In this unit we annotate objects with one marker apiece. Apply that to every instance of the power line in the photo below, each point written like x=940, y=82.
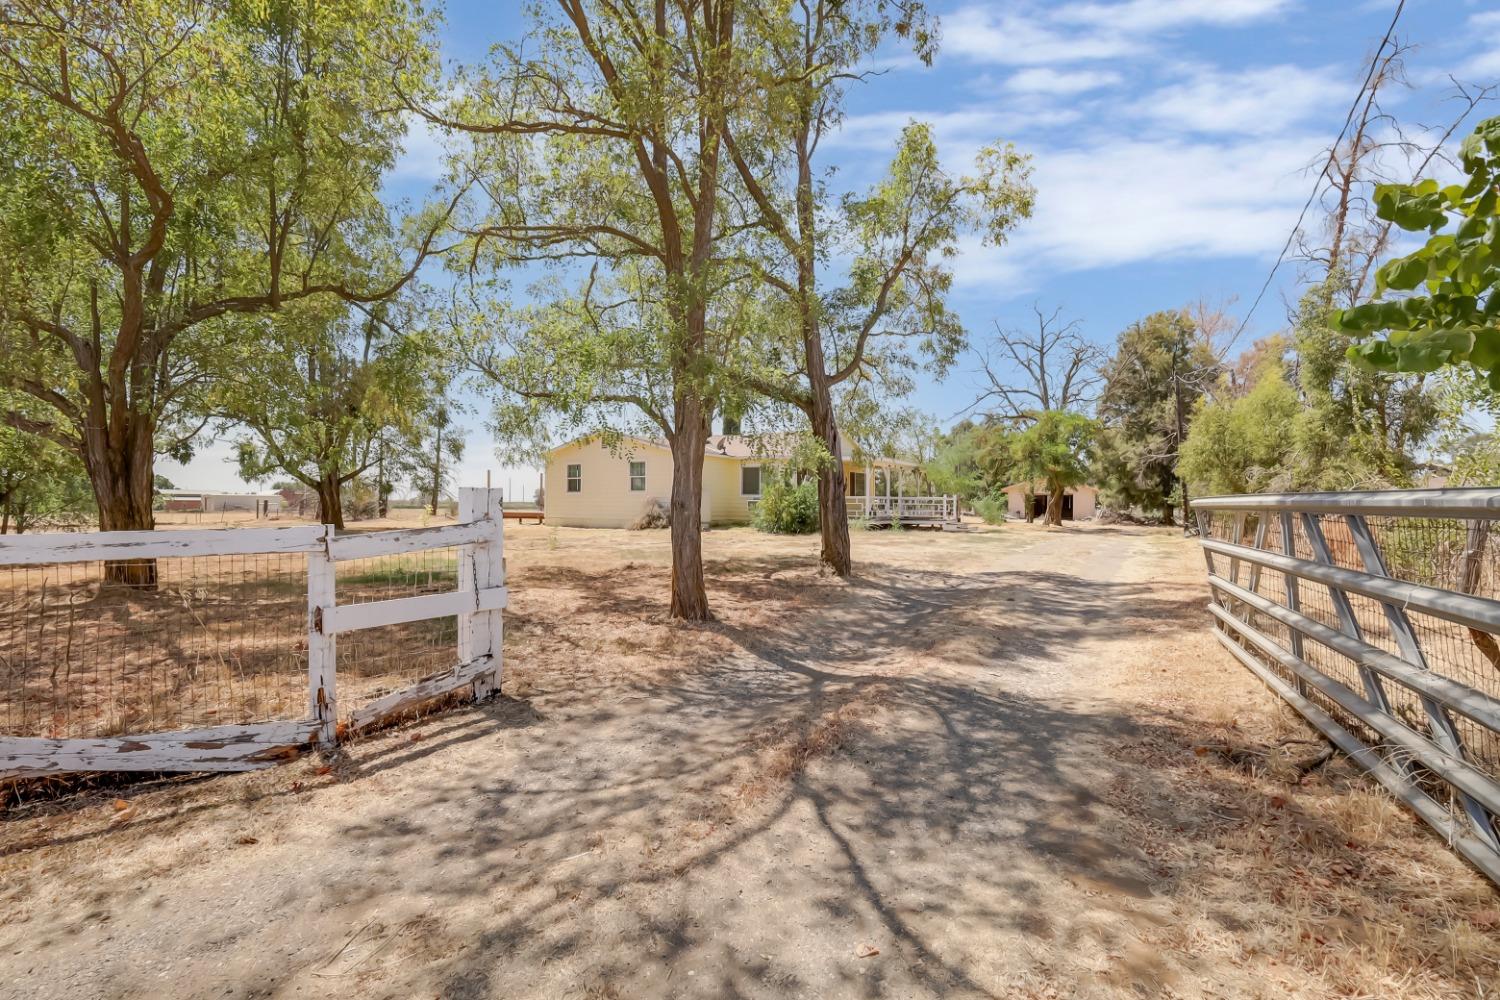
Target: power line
x=1318, y=184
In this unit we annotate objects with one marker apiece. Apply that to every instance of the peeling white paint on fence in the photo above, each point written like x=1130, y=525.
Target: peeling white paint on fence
x=478, y=603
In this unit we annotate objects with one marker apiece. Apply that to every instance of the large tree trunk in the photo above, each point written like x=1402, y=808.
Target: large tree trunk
x=689, y=596
x=121, y=473
x=1054, y=504
x=1030, y=499
x=833, y=519
x=330, y=502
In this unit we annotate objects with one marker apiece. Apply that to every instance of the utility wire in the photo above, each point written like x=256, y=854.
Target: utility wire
x=1318, y=184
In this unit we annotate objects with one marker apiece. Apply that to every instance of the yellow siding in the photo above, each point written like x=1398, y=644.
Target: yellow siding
x=721, y=488
x=606, y=500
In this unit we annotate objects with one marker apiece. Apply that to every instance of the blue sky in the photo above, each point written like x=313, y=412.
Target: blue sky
x=1172, y=140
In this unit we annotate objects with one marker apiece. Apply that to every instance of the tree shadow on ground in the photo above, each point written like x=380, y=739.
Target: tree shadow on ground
x=896, y=764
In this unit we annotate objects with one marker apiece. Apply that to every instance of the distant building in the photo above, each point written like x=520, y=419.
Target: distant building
x=590, y=485
x=263, y=504
x=182, y=501
x=212, y=502
x=1078, y=502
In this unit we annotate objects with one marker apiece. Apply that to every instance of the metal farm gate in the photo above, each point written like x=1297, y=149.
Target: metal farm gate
x=1375, y=615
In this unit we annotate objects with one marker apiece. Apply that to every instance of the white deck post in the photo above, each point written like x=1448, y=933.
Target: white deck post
x=322, y=646
x=480, y=567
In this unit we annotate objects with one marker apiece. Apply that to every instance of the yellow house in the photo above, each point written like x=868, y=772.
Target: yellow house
x=588, y=484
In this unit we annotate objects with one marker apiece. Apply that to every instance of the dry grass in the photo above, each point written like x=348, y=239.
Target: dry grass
x=1295, y=877
x=1337, y=889
x=783, y=750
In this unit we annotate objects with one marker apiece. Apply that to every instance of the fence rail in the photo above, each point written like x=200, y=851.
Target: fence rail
x=232, y=631
x=1374, y=614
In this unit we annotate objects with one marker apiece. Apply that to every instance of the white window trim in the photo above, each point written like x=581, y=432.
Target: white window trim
x=760, y=479
x=568, y=480
x=631, y=477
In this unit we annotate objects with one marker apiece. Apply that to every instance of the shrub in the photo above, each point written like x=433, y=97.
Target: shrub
x=991, y=508
x=654, y=515
x=787, y=509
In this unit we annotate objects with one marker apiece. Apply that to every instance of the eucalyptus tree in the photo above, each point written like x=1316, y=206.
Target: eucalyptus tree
x=601, y=140
x=439, y=447
x=349, y=383
x=890, y=311
x=1161, y=367
x=165, y=166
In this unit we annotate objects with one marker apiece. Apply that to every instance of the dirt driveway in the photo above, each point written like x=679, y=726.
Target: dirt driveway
x=970, y=772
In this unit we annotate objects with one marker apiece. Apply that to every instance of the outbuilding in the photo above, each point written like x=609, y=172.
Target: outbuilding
x=1078, y=502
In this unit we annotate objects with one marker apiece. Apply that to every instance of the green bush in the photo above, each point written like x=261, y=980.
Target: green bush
x=991, y=508
x=787, y=509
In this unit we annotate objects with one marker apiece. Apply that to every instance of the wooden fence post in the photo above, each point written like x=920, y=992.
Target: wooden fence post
x=481, y=566
x=322, y=646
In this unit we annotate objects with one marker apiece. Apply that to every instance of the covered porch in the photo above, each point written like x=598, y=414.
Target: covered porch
x=889, y=491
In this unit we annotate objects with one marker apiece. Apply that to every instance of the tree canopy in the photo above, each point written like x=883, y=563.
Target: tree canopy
x=169, y=166
x=1451, y=315
x=1057, y=448
x=1151, y=383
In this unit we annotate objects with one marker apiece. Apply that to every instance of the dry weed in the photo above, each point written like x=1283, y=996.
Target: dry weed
x=782, y=752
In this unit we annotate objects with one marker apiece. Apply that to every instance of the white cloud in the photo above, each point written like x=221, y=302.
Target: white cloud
x=1131, y=200
x=959, y=133
x=988, y=36
x=1484, y=27
x=1043, y=35
x=1160, y=15
x=422, y=155
x=1062, y=83
x=1259, y=101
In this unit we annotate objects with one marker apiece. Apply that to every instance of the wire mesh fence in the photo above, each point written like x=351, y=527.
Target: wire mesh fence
x=219, y=640
x=228, y=649
x=1313, y=590
x=377, y=661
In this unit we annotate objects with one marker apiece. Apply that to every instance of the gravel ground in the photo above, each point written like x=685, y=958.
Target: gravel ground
x=968, y=772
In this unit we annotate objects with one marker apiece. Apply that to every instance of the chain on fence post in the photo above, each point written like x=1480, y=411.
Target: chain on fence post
x=322, y=647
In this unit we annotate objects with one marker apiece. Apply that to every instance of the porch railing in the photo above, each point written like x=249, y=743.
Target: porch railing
x=1375, y=615
x=908, y=509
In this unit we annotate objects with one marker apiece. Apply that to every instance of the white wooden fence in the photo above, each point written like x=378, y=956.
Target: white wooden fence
x=477, y=602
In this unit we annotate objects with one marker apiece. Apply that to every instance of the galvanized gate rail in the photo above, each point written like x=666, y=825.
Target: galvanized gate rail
x=1374, y=615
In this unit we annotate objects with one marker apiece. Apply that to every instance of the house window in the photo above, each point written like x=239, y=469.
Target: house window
x=575, y=479
x=637, y=477
x=750, y=480
x=856, y=484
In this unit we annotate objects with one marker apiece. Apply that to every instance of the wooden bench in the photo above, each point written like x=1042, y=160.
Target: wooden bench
x=522, y=515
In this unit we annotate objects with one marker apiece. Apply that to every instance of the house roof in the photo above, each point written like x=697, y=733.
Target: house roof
x=743, y=447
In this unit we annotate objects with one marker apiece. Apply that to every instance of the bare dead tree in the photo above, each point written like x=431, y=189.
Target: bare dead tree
x=1050, y=368
x=1380, y=149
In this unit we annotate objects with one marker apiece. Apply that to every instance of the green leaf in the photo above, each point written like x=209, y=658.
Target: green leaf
x=1485, y=353
x=1403, y=275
